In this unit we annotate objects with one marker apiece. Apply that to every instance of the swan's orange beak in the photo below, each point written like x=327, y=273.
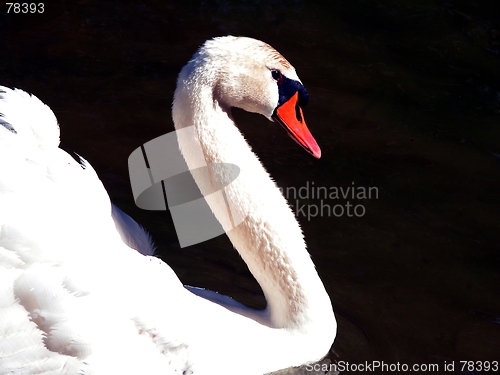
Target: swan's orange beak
x=289, y=115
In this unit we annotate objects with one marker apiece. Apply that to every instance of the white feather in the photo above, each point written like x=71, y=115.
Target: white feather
x=75, y=295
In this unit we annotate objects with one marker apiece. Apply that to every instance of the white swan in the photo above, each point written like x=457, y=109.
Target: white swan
x=76, y=299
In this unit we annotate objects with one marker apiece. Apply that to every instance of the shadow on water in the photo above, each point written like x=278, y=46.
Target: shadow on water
x=405, y=97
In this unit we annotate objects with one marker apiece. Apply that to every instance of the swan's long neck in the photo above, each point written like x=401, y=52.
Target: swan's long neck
x=269, y=238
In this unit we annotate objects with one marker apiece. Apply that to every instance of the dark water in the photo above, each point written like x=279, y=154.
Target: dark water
x=405, y=98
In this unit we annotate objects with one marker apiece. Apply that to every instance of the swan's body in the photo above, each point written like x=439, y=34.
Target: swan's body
x=65, y=269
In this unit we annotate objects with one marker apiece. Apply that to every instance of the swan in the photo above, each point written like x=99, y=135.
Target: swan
x=76, y=297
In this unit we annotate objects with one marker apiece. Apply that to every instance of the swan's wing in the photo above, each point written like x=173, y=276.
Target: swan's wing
x=131, y=233
x=73, y=297
x=28, y=134
x=22, y=347
x=217, y=298
x=25, y=116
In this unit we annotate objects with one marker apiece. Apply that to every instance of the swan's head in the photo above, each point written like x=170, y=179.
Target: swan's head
x=249, y=74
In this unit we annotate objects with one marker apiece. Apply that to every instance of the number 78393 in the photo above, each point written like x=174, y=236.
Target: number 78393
x=25, y=8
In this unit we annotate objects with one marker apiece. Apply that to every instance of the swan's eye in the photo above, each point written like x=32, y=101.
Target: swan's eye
x=276, y=74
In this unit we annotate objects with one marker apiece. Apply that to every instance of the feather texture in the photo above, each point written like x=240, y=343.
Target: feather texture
x=77, y=297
